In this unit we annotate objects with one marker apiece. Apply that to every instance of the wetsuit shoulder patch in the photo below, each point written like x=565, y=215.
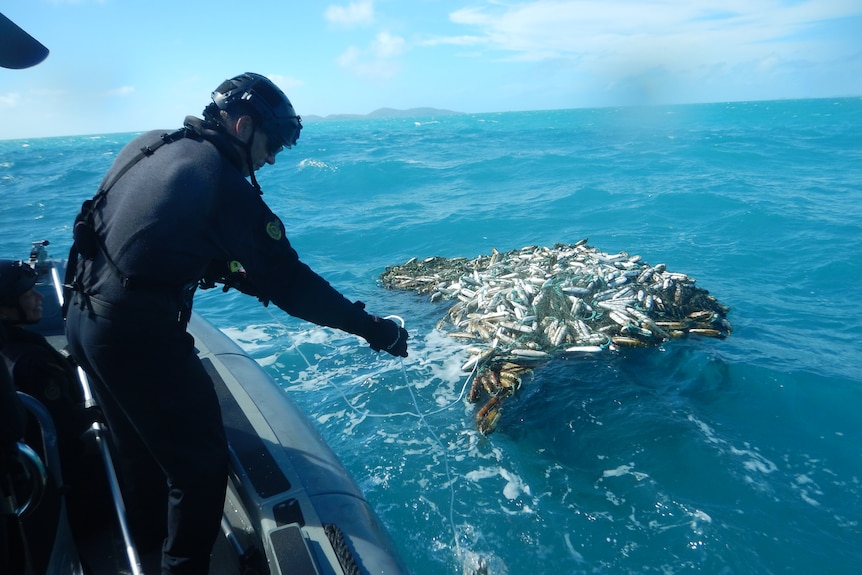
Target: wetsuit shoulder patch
x=275, y=229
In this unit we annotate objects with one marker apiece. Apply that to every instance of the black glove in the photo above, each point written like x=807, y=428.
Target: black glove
x=386, y=335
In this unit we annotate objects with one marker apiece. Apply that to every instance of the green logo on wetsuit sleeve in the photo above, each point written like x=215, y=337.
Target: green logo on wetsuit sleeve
x=275, y=229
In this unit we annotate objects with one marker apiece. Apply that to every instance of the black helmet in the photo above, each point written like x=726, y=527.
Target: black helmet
x=16, y=278
x=266, y=99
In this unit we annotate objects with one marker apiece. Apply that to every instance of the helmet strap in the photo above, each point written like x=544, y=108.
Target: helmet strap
x=251, y=163
x=216, y=120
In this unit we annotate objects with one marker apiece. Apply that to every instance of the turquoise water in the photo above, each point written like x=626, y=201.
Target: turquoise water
x=741, y=455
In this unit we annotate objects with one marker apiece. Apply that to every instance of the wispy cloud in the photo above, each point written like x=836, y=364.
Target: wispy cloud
x=454, y=41
x=650, y=30
x=378, y=61
x=385, y=45
x=10, y=100
x=286, y=83
x=121, y=92
x=350, y=16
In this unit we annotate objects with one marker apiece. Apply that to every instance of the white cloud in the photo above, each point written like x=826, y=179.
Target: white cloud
x=455, y=41
x=354, y=14
x=642, y=51
x=349, y=57
x=286, y=83
x=121, y=92
x=386, y=45
x=378, y=61
x=665, y=31
x=9, y=100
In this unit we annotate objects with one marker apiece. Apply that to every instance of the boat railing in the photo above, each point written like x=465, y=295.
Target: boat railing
x=35, y=479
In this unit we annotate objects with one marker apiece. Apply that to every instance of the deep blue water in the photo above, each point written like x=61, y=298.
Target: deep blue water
x=741, y=455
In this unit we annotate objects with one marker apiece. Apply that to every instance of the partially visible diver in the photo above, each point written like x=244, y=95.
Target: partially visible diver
x=36, y=368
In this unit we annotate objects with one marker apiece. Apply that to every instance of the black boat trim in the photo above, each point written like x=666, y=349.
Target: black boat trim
x=259, y=464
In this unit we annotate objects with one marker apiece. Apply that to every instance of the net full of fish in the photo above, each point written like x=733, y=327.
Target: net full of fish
x=524, y=307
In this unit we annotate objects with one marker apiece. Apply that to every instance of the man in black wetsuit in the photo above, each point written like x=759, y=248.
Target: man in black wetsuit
x=176, y=211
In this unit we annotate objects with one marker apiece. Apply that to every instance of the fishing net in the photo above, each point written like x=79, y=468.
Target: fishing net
x=523, y=307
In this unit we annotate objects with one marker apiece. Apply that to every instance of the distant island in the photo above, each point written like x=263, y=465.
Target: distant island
x=383, y=113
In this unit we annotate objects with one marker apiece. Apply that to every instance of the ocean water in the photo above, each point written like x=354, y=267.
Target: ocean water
x=741, y=455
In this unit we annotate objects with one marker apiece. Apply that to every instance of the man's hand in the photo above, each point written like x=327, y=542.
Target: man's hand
x=386, y=335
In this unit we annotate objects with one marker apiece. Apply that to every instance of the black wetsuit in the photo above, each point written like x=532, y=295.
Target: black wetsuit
x=44, y=373
x=174, y=215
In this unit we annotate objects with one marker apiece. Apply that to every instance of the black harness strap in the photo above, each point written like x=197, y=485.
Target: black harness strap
x=86, y=242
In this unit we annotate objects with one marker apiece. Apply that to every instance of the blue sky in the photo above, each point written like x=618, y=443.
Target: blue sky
x=130, y=65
